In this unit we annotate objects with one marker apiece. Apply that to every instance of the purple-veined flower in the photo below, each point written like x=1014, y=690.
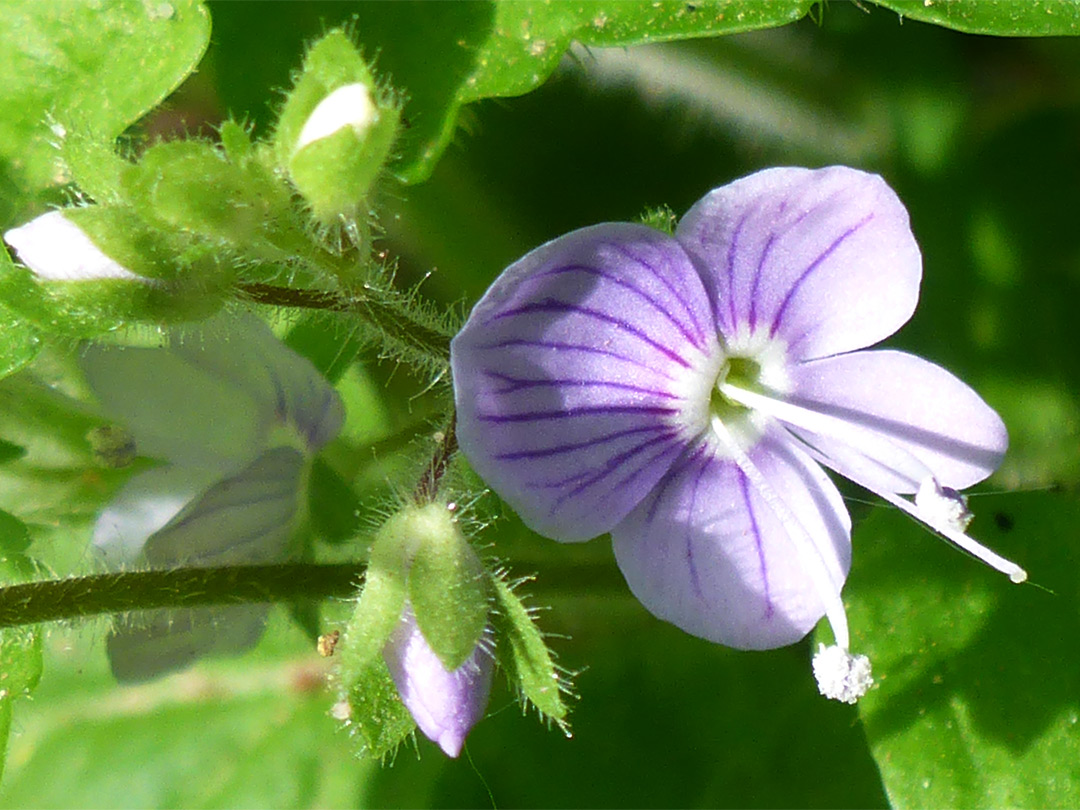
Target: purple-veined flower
x=236, y=415
x=445, y=704
x=683, y=392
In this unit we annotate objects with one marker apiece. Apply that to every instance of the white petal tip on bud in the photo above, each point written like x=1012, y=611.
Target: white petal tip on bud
x=943, y=505
x=1019, y=575
x=841, y=675
x=349, y=106
x=56, y=249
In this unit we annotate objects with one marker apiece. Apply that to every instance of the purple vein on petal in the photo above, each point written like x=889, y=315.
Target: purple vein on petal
x=744, y=486
x=571, y=347
x=811, y=268
x=695, y=340
x=764, y=257
x=614, y=464
x=592, y=410
x=678, y=296
x=551, y=305
x=559, y=449
x=689, y=526
x=733, y=250
x=515, y=384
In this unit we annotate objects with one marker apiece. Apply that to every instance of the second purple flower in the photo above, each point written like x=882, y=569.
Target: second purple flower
x=683, y=392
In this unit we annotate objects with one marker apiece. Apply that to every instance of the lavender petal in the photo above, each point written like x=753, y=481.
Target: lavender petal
x=581, y=375
x=918, y=407
x=823, y=260
x=707, y=553
x=445, y=705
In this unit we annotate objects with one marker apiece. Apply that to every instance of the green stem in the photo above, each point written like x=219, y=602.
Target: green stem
x=81, y=597
x=386, y=311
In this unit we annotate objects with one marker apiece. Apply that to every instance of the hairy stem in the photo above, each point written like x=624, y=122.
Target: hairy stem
x=388, y=312
x=81, y=597
x=428, y=485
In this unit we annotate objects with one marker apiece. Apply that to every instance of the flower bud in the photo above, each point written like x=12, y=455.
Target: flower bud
x=336, y=130
x=445, y=704
x=419, y=628
x=99, y=265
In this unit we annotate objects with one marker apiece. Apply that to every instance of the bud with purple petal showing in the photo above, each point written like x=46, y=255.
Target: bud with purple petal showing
x=336, y=129
x=416, y=649
x=683, y=393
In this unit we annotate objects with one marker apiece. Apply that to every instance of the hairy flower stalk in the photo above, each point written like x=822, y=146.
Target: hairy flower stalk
x=683, y=394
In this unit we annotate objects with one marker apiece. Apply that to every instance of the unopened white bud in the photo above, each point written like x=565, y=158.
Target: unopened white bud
x=841, y=675
x=349, y=106
x=56, y=249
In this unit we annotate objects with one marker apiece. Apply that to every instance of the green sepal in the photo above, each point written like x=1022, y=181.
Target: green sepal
x=524, y=655
x=376, y=714
x=447, y=584
x=190, y=186
x=236, y=141
x=335, y=173
x=20, y=342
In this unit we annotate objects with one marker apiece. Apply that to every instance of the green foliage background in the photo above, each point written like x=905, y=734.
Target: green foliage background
x=510, y=144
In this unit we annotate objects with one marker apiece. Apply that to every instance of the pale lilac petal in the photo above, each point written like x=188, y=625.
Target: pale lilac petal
x=823, y=260
x=248, y=518
x=213, y=396
x=144, y=505
x=240, y=350
x=174, y=411
x=582, y=374
x=153, y=643
x=918, y=408
x=445, y=705
x=706, y=553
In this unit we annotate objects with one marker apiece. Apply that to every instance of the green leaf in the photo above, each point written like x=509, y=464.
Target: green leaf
x=14, y=535
x=978, y=694
x=527, y=40
x=86, y=66
x=447, y=586
x=524, y=655
x=1005, y=18
x=482, y=49
x=332, y=504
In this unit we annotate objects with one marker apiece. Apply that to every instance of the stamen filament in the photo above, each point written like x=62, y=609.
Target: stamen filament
x=827, y=590
x=846, y=433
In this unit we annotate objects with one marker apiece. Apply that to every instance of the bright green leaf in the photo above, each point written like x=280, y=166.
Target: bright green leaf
x=89, y=67
x=20, y=647
x=524, y=655
x=978, y=694
x=1005, y=18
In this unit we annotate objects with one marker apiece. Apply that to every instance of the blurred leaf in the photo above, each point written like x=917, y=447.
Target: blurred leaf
x=10, y=451
x=1005, y=18
x=20, y=647
x=483, y=49
x=979, y=680
x=332, y=504
x=87, y=66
